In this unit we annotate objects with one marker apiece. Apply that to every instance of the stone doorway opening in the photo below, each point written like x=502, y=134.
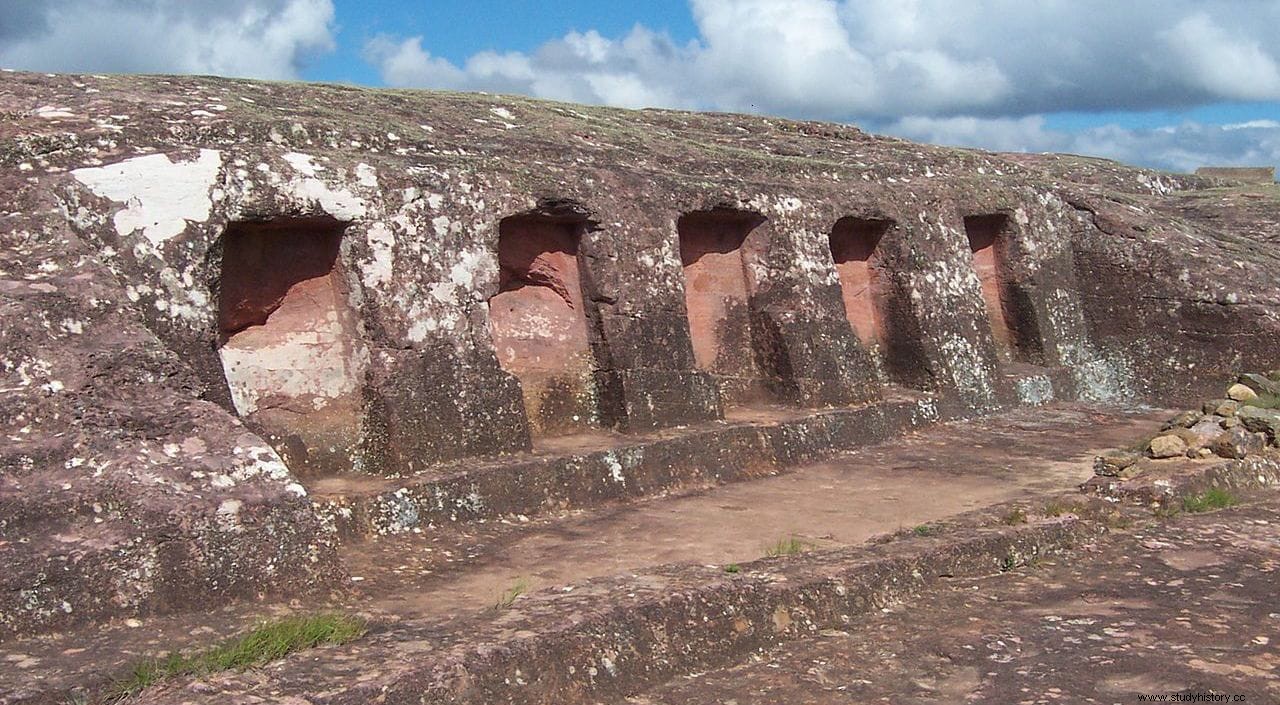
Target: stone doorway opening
x=854, y=249
x=539, y=321
x=718, y=292
x=988, y=241
x=288, y=341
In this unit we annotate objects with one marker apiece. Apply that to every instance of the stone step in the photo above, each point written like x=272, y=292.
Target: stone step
x=754, y=444
x=605, y=639
x=464, y=568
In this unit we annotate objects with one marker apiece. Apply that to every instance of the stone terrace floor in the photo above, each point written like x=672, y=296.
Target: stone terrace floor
x=932, y=474
x=1183, y=607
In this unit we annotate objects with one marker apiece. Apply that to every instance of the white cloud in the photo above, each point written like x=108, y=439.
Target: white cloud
x=978, y=73
x=1252, y=124
x=1181, y=147
x=581, y=67
x=408, y=64
x=1022, y=134
x=868, y=59
x=253, y=38
x=1230, y=65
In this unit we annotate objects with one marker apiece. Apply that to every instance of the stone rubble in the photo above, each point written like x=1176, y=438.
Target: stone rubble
x=1243, y=424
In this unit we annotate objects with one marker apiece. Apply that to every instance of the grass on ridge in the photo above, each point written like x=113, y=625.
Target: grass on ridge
x=787, y=547
x=1014, y=517
x=508, y=596
x=1059, y=507
x=1209, y=500
x=265, y=643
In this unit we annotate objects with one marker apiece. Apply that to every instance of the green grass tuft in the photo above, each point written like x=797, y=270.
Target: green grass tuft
x=508, y=597
x=1014, y=517
x=787, y=547
x=1208, y=501
x=733, y=568
x=1056, y=508
x=265, y=643
x=925, y=530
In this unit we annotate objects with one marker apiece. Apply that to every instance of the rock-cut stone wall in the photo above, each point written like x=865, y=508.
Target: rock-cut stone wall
x=215, y=292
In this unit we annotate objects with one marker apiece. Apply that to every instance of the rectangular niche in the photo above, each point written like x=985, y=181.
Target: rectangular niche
x=988, y=241
x=539, y=322
x=854, y=243
x=288, y=342
x=717, y=297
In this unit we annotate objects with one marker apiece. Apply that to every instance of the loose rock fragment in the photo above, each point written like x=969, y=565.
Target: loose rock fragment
x=1237, y=443
x=1239, y=392
x=1221, y=407
x=1261, y=421
x=1114, y=463
x=1260, y=385
x=1168, y=446
x=1186, y=419
x=1205, y=431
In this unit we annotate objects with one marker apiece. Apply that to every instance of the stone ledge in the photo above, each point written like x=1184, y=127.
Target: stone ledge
x=604, y=639
x=1166, y=483
x=534, y=485
x=609, y=638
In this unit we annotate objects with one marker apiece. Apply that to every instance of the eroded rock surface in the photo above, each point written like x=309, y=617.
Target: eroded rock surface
x=1177, y=610
x=214, y=292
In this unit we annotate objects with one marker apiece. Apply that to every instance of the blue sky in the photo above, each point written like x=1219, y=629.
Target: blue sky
x=456, y=29
x=1173, y=84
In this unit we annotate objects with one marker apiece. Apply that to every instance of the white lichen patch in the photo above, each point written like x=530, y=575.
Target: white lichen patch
x=471, y=265
x=259, y=462
x=228, y=515
x=377, y=271
x=615, y=469
x=51, y=112
x=302, y=163
x=337, y=199
x=1035, y=390
x=161, y=196
x=367, y=176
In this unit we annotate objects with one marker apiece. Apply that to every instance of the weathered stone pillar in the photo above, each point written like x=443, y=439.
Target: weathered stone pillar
x=646, y=373
x=1043, y=270
x=433, y=391
x=939, y=338
x=810, y=352
x=430, y=406
x=1039, y=298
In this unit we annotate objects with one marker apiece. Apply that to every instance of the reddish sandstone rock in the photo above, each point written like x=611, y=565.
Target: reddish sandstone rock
x=214, y=293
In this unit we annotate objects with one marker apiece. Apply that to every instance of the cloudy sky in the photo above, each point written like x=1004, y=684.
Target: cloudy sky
x=1174, y=84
